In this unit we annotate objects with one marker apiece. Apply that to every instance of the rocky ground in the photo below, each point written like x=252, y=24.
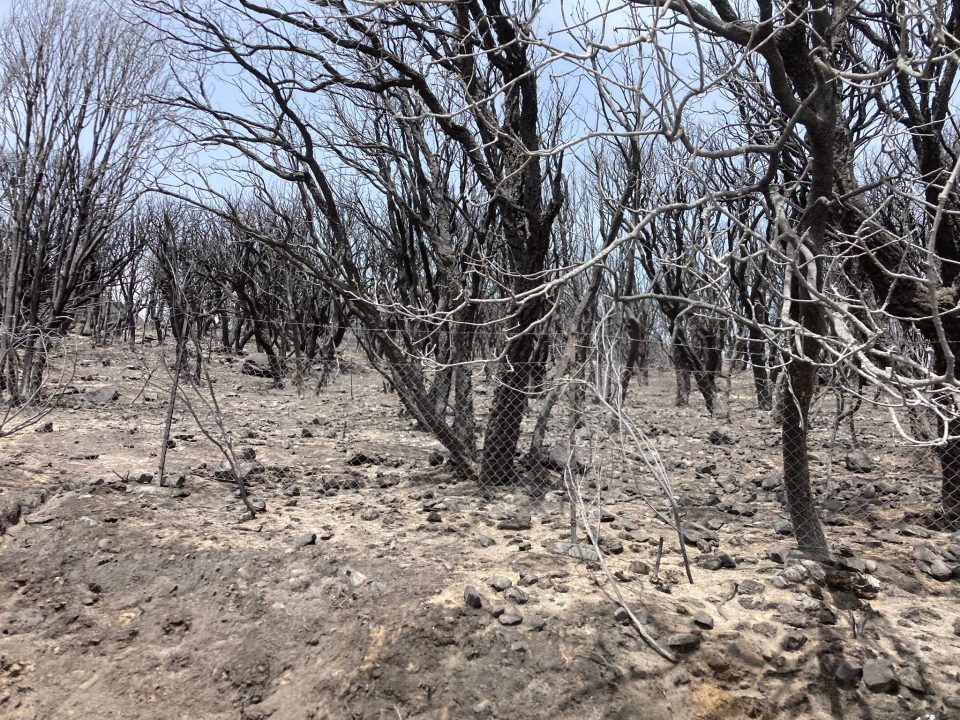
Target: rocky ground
x=372, y=585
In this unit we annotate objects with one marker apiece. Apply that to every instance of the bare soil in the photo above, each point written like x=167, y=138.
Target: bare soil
x=128, y=600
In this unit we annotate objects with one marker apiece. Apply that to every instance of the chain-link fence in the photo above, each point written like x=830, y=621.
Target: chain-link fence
x=593, y=436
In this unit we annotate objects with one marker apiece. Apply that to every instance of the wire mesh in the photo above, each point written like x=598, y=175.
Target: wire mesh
x=689, y=453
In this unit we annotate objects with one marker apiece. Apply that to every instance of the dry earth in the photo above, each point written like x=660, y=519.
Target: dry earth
x=127, y=600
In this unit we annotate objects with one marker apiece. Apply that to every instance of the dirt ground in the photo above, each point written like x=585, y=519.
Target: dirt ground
x=127, y=600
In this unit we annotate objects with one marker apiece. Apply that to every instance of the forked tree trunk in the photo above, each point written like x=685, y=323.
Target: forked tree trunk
x=506, y=413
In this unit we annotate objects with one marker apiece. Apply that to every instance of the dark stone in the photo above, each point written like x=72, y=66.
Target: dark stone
x=516, y=595
x=826, y=616
x=611, y=545
x=853, y=564
x=101, y=396
x=683, y=642
x=516, y=523
x=173, y=480
x=859, y=462
x=485, y=541
x=783, y=527
x=472, y=598
x=257, y=365
x=726, y=561
x=536, y=624
x=306, y=539
x=702, y=619
x=911, y=678
x=721, y=436
x=793, y=641
x=578, y=551
x=931, y=563
x=778, y=556
x=499, y=583
x=848, y=674
x=247, y=454
x=436, y=458
x=880, y=677
x=751, y=587
x=693, y=534
x=362, y=457
x=47, y=427
x=771, y=483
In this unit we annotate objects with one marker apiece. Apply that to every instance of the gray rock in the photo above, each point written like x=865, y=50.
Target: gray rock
x=721, y=436
x=683, y=642
x=641, y=568
x=859, y=462
x=702, y=619
x=611, y=545
x=101, y=396
x=794, y=573
x=536, y=624
x=931, y=563
x=47, y=427
x=258, y=504
x=247, y=454
x=848, y=674
x=693, y=533
x=778, y=556
x=485, y=541
x=880, y=677
x=257, y=365
x=472, y=598
x=956, y=627
x=436, y=458
x=306, y=539
x=173, y=480
x=365, y=457
x=793, y=641
x=370, y=514
x=499, y=583
x=510, y=619
x=516, y=595
x=771, y=483
x=354, y=577
x=434, y=517
x=726, y=561
x=516, y=523
x=578, y=551
x=911, y=678
x=751, y=587
x=783, y=527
